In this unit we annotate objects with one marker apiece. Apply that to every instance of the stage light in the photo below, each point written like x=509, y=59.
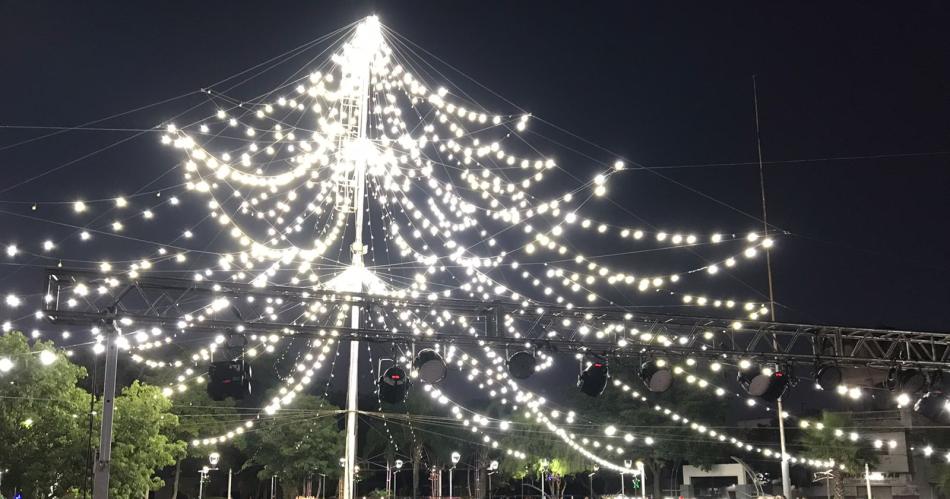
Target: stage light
x=229, y=378
x=521, y=364
x=430, y=366
x=766, y=384
x=935, y=406
x=828, y=378
x=656, y=375
x=393, y=385
x=594, y=379
x=905, y=380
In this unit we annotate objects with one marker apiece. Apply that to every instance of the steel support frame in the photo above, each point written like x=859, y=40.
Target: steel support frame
x=801, y=344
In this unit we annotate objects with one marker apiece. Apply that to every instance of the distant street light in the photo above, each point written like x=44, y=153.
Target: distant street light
x=590, y=481
x=202, y=479
x=627, y=463
x=544, y=466
x=455, y=459
x=399, y=464
x=492, y=469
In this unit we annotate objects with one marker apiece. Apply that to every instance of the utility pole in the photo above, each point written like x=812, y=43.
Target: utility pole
x=786, y=478
x=362, y=51
x=100, y=483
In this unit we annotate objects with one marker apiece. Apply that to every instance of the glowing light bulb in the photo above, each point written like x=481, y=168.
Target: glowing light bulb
x=47, y=357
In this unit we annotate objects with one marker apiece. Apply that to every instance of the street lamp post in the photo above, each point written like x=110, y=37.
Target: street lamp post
x=544, y=466
x=399, y=464
x=201, y=481
x=590, y=481
x=214, y=458
x=455, y=459
x=643, y=480
x=492, y=469
x=627, y=463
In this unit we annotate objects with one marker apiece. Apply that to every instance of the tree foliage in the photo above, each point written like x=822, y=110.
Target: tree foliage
x=42, y=419
x=675, y=444
x=820, y=442
x=44, y=427
x=144, y=440
x=295, y=444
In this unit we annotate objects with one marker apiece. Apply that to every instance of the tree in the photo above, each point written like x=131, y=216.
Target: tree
x=43, y=426
x=820, y=442
x=198, y=415
x=676, y=444
x=42, y=415
x=549, y=459
x=295, y=443
x=143, y=441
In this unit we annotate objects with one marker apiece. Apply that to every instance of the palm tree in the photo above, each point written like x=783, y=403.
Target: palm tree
x=820, y=442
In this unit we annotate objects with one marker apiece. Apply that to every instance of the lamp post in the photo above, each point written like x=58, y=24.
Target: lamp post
x=627, y=463
x=455, y=459
x=399, y=464
x=214, y=458
x=544, y=466
x=590, y=481
x=492, y=469
x=201, y=481
x=643, y=480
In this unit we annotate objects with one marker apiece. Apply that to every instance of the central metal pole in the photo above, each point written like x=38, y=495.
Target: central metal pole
x=356, y=266
x=100, y=483
x=786, y=477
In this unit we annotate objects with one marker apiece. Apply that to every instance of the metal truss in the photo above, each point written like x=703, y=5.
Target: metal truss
x=170, y=303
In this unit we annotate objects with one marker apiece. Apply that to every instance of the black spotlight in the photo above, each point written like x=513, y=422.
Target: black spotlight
x=229, y=378
x=764, y=383
x=905, y=380
x=828, y=378
x=656, y=375
x=935, y=406
x=594, y=379
x=393, y=385
x=521, y=364
x=430, y=366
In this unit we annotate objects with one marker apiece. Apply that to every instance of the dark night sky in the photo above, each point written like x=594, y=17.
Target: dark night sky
x=661, y=83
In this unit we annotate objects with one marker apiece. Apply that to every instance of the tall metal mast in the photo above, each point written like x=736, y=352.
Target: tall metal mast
x=356, y=105
x=786, y=474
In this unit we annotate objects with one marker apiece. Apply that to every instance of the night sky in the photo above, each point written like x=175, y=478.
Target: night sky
x=667, y=85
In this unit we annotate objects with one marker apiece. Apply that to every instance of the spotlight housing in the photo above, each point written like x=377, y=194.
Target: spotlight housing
x=229, y=378
x=935, y=406
x=430, y=366
x=656, y=376
x=828, y=377
x=594, y=379
x=393, y=385
x=521, y=364
x=905, y=380
x=768, y=385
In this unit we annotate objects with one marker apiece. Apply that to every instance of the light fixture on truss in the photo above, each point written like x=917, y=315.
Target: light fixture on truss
x=430, y=366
